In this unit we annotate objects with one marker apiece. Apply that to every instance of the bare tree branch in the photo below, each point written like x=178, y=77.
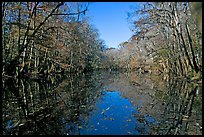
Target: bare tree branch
x=77, y=13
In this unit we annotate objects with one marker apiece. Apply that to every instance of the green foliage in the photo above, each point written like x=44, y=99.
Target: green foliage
x=197, y=13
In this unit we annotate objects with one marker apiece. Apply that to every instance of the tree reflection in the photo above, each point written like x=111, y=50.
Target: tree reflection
x=48, y=106
x=180, y=116
x=61, y=105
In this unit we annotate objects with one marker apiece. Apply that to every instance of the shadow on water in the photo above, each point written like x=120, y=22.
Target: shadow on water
x=101, y=103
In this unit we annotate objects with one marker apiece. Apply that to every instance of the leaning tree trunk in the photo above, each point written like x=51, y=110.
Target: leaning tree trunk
x=179, y=33
x=191, y=48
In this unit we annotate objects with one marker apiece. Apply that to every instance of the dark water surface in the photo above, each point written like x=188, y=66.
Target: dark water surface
x=102, y=103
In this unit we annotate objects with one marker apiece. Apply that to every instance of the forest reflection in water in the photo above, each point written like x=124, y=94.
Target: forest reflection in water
x=102, y=102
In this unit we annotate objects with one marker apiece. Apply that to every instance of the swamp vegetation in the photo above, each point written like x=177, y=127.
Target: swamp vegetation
x=60, y=78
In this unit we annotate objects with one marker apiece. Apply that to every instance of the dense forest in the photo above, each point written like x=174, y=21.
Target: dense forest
x=59, y=77
x=48, y=37
x=55, y=37
x=167, y=39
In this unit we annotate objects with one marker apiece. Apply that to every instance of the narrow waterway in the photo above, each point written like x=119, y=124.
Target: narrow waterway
x=102, y=103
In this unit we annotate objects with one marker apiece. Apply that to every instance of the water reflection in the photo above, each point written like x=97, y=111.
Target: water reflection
x=114, y=116
x=101, y=103
x=41, y=107
x=182, y=111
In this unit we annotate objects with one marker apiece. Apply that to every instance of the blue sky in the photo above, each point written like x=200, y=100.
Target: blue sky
x=110, y=18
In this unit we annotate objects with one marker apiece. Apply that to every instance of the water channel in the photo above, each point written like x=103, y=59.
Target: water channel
x=102, y=103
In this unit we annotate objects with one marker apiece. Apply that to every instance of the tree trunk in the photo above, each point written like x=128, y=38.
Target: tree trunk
x=192, y=51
